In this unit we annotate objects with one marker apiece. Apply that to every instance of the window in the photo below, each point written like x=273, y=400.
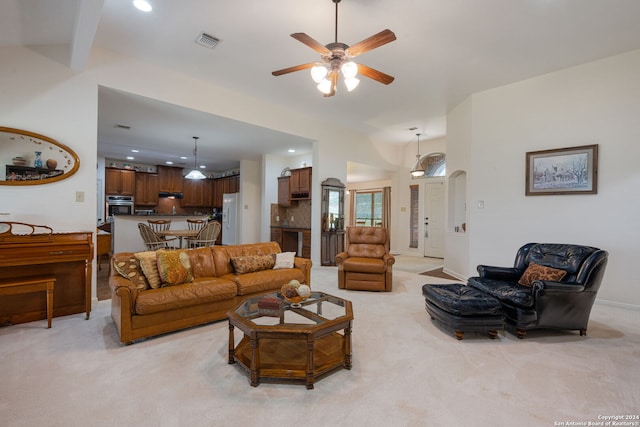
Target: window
x=413, y=219
x=368, y=207
x=434, y=164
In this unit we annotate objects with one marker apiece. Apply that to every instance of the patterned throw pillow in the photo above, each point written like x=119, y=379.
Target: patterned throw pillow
x=130, y=269
x=540, y=272
x=149, y=268
x=284, y=260
x=251, y=263
x=174, y=267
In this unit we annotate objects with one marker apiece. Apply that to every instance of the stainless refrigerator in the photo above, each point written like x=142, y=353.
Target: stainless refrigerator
x=230, y=213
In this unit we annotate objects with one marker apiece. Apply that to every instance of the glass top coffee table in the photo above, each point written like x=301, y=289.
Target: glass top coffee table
x=283, y=343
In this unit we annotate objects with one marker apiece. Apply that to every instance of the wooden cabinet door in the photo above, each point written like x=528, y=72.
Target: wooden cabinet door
x=283, y=191
x=170, y=179
x=146, y=189
x=219, y=191
x=210, y=193
x=194, y=191
x=304, y=180
x=119, y=182
x=276, y=236
x=300, y=184
x=306, y=244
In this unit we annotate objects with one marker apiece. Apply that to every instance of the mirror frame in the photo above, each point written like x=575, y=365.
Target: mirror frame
x=69, y=153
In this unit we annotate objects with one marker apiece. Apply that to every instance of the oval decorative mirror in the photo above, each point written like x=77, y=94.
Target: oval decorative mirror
x=32, y=159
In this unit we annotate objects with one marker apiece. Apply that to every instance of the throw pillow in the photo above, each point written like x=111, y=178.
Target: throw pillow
x=284, y=260
x=149, y=268
x=540, y=272
x=130, y=269
x=174, y=267
x=251, y=263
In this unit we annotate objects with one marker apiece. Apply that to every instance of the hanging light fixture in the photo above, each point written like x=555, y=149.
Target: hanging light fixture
x=417, y=170
x=195, y=173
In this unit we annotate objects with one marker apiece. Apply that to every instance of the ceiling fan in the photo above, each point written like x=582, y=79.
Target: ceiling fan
x=338, y=57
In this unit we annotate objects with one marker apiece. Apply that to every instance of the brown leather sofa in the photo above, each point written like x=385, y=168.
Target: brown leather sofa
x=215, y=289
x=366, y=263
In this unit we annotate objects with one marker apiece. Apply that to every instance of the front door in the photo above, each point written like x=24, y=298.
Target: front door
x=434, y=220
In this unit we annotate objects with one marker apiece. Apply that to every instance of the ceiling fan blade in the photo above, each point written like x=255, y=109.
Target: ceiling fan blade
x=312, y=43
x=374, y=74
x=376, y=40
x=292, y=69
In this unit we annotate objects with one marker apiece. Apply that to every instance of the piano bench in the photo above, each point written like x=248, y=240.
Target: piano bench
x=31, y=284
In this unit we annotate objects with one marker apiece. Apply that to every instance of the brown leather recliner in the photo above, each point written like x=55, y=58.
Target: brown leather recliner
x=366, y=263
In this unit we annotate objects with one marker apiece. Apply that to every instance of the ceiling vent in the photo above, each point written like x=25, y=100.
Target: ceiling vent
x=119, y=126
x=206, y=40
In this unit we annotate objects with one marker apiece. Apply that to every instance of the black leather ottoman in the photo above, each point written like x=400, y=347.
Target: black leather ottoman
x=463, y=308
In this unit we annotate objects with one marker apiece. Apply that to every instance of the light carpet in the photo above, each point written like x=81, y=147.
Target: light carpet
x=414, y=264
x=406, y=372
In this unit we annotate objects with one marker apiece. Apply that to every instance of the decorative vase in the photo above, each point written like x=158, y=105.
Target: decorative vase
x=37, y=163
x=51, y=163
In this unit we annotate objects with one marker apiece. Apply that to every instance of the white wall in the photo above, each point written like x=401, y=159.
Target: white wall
x=596, y=103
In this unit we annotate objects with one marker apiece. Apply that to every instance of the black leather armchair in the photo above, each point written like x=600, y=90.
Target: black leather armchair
x=564, y=304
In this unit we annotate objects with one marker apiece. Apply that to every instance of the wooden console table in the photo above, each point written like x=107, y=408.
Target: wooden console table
x=27, y=250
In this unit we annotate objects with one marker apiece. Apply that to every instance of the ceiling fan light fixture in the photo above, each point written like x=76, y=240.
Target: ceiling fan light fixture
x=351, y=83
x=325, y=86
x=318, y=73
x=349, y=69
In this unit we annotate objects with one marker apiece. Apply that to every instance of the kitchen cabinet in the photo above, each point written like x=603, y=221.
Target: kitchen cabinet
x=225, y=185
x=219, y=191
x=283, y=191
x=232, y=184
x=276, y=235
x=170, y=179
x=146, y=189
x=300, y=184
x=306, y=244
x=119, y=182
x=194, y=191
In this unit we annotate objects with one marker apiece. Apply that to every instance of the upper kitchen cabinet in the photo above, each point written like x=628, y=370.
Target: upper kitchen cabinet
x=119, y=182
x=195, y=193
x=283, y=191
x=170, y=179
x=300, y=184
x=146, y=189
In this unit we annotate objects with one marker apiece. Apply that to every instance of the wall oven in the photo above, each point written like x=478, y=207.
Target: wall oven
x=119, y=205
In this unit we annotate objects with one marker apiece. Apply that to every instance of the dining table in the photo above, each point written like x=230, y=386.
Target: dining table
x=179, y=233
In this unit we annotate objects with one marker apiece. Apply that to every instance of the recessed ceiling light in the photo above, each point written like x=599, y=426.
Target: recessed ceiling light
x=183, y=157
x=169, y=162
x=135, y=151
x=203, y=167
x=291, y=150
x=130, y=158
x=142, y=5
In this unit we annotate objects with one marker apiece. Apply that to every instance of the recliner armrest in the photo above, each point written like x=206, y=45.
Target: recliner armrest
x=548, y=285
x=389, y=259
x=499, y=273
x=341, y=257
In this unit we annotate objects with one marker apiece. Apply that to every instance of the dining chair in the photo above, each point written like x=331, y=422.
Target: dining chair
x=150, y=238
x=207, y=236
x=194, y=224
x=163, y=225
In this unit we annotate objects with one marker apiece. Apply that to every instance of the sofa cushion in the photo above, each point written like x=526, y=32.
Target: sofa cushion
x=284, y=260
x=129, y=268
x=252, y=263
x=174, y=267
x=265, y=280
x=506, y=291
x=540, y=272
x=200, y=291
x=149, y=266
x=222, y=254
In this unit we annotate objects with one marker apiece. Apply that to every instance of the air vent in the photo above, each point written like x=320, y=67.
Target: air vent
x=206, y=40
x=122, y=126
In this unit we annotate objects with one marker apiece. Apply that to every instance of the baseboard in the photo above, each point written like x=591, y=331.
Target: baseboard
x=618, y=304
x=454, y=274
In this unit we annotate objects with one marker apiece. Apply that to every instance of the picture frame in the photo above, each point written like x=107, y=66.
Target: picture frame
x=571, y=170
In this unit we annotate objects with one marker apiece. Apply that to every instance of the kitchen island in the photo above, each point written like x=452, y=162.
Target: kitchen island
x=126, y=236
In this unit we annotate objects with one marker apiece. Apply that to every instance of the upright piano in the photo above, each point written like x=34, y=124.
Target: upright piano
x=28, y=250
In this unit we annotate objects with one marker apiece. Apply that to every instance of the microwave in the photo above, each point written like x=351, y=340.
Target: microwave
x=119, y=205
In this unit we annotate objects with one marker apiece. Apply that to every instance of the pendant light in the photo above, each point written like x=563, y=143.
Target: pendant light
x=195, y=173
x=417, y=170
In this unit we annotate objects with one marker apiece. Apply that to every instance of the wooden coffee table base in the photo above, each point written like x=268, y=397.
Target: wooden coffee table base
x=291, y=358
